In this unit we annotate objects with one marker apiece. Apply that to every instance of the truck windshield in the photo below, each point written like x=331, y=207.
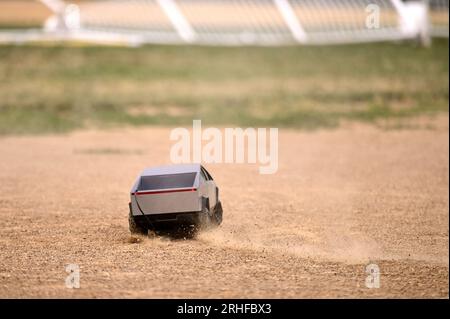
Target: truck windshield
x=167, y=181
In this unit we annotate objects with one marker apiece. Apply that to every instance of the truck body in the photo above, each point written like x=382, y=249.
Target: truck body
x=174, y=194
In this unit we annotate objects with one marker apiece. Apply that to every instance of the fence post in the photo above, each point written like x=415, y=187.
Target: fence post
x=414, y=19
x=291, y=20
x=179, y=22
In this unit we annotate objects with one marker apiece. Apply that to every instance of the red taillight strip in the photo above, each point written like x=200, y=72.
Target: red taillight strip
x=166, y=191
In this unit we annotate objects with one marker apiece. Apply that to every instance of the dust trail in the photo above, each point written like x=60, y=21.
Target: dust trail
x=340, y=248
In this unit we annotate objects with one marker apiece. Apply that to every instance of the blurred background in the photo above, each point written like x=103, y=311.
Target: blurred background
x=284, y=63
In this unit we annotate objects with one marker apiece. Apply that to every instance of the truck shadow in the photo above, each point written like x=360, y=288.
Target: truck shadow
x=164, y=235
x=175, y=233
x=171, y=232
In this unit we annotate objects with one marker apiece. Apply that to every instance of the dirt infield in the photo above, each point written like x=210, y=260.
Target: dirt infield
x=341, y=199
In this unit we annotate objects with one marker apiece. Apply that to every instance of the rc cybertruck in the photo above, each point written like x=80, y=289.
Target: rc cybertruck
x=172, y=196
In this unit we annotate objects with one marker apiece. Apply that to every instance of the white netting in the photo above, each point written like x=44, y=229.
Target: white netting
x=235, y=22
x=439, y=17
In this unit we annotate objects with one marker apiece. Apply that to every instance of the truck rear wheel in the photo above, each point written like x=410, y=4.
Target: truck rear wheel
x=134, y=227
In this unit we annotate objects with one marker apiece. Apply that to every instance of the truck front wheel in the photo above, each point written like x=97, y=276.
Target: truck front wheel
x=218, y=212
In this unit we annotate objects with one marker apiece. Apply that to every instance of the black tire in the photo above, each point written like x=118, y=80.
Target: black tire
x=204, y=219
x=135, y=229
x=218, y=213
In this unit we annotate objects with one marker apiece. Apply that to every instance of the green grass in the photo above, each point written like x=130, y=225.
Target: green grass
x=60, y=88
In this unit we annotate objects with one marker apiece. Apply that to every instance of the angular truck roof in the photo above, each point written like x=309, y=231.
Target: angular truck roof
x=171, y=169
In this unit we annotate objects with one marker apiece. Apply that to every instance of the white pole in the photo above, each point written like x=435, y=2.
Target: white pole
x=57, y=6
x=179, y=22
x=414, y=19
x=400, y=7
x=291, y=20
x=57, y=21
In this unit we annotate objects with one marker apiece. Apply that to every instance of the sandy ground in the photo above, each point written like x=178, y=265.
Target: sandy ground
x=341, y=199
